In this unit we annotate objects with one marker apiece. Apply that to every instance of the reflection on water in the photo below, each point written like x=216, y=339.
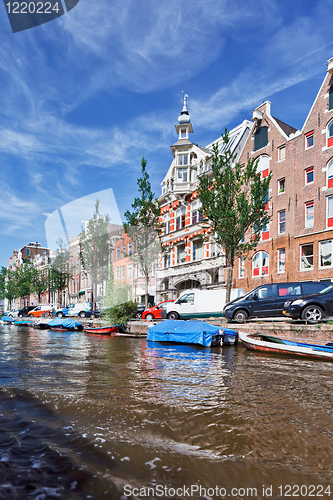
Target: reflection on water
x=85, y=415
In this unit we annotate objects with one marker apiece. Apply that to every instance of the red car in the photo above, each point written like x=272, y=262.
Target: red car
x=155, y=311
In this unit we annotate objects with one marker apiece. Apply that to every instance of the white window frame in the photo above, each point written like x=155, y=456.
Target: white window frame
x=281, y=222
x=321, y=243
x=280, y=181
x=241, y=271
x=262, y=166
x=308, y=136
x=328, y=126
x=309, y=169
x=329, y=171
x=282, y=156
x=309, y=217
x=184, y=174
x=258, y=260
x=181, y=159
x=281, y=261
x=303, y=265
x=329, y=208
x=178, y=260
x=194, y=252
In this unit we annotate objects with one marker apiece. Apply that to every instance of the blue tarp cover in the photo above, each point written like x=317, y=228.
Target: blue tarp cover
x=189, y=332
x=65, y=323
x=7, y=318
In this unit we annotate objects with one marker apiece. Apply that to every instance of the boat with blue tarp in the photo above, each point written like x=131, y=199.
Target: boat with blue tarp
x=60, y=324
x=7, y=319
x=191, y=332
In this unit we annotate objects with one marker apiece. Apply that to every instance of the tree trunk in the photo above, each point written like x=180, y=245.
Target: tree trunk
x=230, y=263
x=146, y=289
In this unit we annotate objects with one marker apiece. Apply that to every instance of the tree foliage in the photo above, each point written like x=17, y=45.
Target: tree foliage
x=59, y=274
x=39, y=282
x=95, y=248
x=143, y=227
x=234, y=202
x=117, y=293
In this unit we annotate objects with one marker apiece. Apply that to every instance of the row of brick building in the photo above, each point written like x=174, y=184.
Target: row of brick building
x=297, y=244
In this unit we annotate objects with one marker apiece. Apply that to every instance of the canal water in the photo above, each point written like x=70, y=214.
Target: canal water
x=88, y=416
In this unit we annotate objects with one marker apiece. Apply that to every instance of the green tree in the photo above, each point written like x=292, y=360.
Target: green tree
x=8, y=285
x=59, y=274
x=233, y=202
x=24, y=279
x=95, y=249
x=39, y=282
x=143, y=227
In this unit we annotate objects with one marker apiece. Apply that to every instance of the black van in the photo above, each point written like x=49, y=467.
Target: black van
x=24, y=311
x=268, y=300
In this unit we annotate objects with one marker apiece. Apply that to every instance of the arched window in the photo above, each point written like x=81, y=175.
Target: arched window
x=330, y=134
x=260, y=263
x=263, y=165
x=330, y=174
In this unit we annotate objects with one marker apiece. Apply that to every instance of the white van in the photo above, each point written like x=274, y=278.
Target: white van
x=199, y=304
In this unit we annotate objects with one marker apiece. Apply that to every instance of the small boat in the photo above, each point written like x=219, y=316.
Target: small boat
x=105, y=330
x=7, y=319
x=191, y=332
x=266, y=343
x=23, y=322
x=66, y=324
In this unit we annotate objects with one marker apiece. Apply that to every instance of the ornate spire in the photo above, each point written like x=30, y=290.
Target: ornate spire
x=184, y=115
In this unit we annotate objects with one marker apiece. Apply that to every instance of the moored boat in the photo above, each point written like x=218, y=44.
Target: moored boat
x=23, y=322
x=191, y=332
x=68, y=324
x=266, y=343
x=104, y=330
x=7, y=319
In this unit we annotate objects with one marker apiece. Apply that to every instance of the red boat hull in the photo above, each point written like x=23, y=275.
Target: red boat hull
x=103, y=330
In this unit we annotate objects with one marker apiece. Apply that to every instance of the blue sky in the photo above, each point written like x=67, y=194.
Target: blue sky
x=85, y=96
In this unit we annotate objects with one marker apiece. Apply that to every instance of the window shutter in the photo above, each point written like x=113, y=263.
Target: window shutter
x=261, y=138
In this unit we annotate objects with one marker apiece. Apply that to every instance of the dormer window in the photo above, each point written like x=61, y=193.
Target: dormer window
x=182, y=159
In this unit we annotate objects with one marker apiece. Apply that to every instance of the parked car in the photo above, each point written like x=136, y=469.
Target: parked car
x=13, y=313
x=93, y=314
x=41, y=311
x=269, y=300
x=25, y=310
x=199, y=304
x=138, y=313
x=311, y=308
x=155, y=311
x=78, y=309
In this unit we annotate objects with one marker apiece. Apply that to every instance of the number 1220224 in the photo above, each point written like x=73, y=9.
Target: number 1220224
x=32, y=8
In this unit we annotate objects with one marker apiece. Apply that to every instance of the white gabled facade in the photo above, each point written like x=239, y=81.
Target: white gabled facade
x=189, y=262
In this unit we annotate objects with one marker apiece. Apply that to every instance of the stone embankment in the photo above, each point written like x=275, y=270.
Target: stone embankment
x=291, y=330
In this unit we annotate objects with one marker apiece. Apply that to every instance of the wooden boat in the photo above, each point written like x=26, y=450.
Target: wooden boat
x=266, y=343
x=104, y=330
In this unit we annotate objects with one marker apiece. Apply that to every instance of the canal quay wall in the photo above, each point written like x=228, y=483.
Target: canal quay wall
x=290, y=330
